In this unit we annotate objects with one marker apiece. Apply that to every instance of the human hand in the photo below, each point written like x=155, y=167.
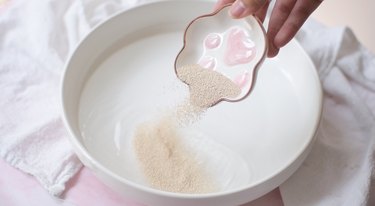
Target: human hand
x=286, y=19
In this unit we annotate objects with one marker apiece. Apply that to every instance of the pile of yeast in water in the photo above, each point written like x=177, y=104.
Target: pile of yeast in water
x=166, y=162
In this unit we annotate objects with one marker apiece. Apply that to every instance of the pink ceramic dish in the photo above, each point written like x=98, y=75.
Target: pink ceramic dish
x=235, y=48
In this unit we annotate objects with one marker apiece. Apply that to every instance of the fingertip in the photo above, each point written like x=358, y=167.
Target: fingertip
x=282, y=38
x=272, y=51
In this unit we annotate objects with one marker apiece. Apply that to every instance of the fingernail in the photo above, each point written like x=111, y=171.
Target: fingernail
x=238, y=8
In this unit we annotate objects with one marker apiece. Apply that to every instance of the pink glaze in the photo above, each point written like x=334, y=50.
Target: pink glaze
x=208, y=62
x=20, y=189
x=240, y=48
x=242, y=79
x=212, y=41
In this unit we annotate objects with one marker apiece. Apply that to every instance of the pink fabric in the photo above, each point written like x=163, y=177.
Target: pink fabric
x=20, y=189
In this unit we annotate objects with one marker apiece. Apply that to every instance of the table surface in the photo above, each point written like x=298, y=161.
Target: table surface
x=19, y=189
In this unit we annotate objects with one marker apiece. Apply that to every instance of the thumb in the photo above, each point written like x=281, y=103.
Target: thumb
x=242, y=8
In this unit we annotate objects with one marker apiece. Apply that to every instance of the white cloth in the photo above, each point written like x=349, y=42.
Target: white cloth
x=338, y=170
x=37, y=36
x=35, y=40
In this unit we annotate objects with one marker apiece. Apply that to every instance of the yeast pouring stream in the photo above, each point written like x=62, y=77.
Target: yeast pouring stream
x=165, y=162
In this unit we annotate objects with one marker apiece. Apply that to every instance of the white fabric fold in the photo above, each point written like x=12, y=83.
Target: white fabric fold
x=338, y=170
x=35, y=40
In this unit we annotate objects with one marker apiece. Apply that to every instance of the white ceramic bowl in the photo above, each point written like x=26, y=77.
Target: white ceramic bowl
x=123, y=72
